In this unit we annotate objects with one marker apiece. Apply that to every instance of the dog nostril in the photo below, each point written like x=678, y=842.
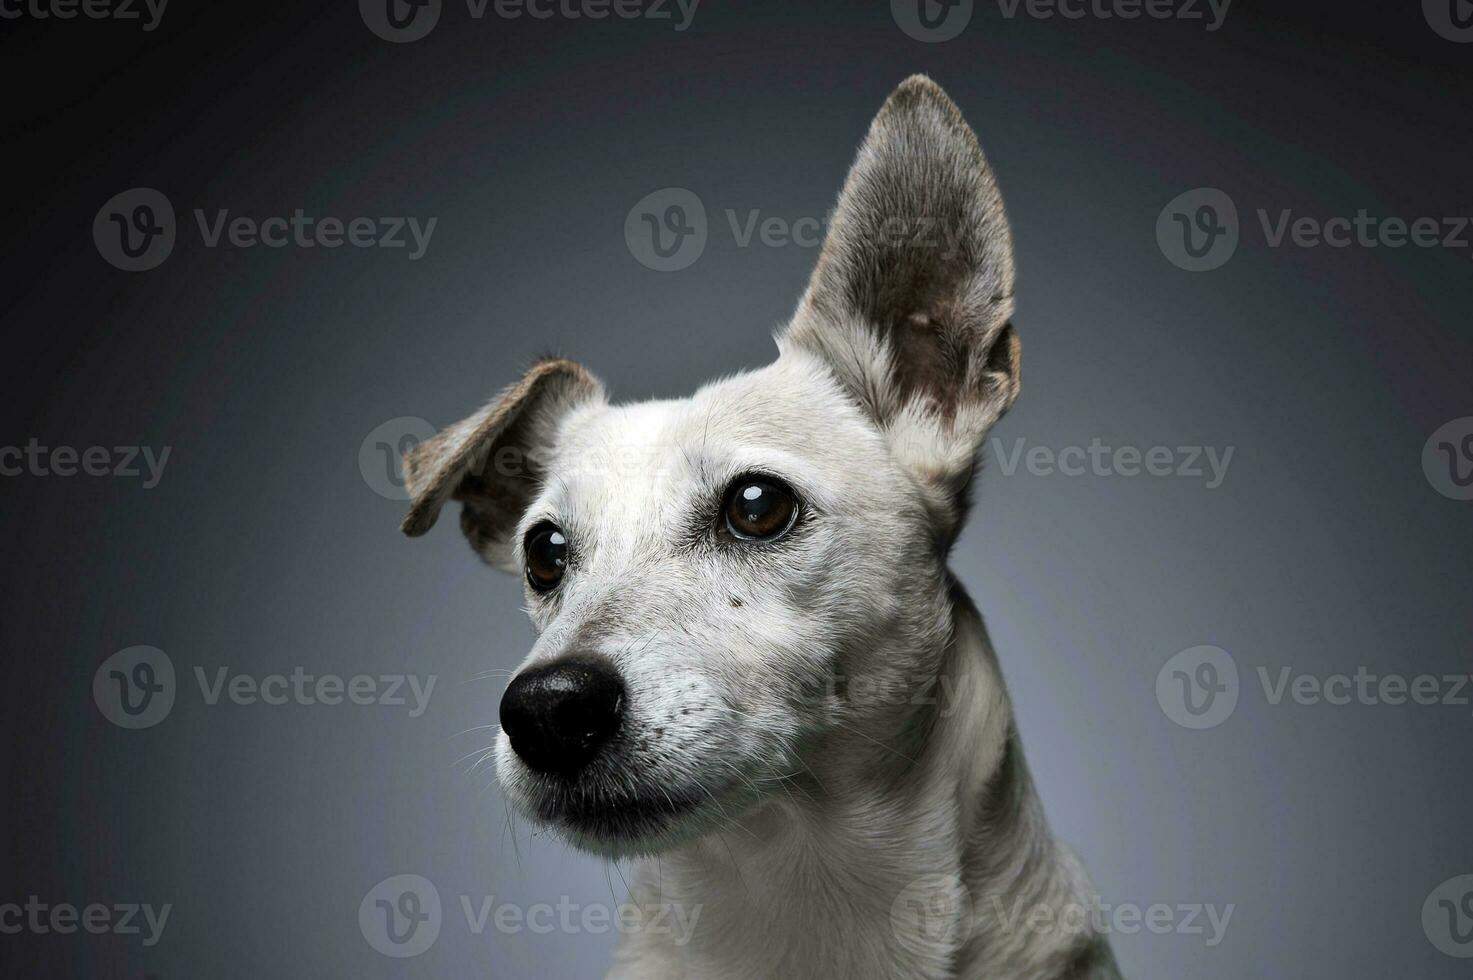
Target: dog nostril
x=558, y=715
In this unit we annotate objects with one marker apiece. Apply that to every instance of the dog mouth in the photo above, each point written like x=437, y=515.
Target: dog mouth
x=619, y=818
x=601, y=814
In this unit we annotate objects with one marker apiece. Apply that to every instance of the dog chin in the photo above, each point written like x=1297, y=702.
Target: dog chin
x=620, y=823
x=631, y=825
x=635, y=826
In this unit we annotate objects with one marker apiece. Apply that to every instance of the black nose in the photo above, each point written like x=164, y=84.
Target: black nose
x=559, y=714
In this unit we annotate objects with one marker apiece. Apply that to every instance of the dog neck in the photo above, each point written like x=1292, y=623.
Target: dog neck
x=920, y=852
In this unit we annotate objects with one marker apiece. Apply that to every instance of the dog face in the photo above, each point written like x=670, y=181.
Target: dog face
x=725, y=586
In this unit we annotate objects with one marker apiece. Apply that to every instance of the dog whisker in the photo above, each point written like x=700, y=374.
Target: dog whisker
x=477, y=728
x=483, y=752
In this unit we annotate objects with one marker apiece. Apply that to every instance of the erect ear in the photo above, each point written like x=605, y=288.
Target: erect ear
x=494, y=461
x=910, y=301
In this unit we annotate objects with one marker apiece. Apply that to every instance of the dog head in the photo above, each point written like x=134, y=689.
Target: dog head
x=724, y=585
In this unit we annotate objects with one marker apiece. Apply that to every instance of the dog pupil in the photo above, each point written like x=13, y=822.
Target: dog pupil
x=547, y=556
x=761, y=509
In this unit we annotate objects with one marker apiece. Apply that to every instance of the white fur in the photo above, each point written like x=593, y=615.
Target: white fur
x=820, y=811
x=817, y=758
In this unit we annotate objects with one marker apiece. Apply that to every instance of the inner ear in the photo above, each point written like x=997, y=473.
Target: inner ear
x=928, y=362
x=494, y=462
x=914, y=284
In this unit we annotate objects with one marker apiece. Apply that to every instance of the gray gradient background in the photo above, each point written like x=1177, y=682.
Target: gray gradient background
x=263, y=548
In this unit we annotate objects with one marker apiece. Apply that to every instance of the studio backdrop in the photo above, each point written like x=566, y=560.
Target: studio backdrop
x=253, y=253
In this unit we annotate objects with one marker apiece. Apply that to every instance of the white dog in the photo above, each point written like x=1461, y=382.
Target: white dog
x=752, y=664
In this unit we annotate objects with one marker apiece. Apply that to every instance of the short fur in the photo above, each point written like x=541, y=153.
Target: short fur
x=818, y=744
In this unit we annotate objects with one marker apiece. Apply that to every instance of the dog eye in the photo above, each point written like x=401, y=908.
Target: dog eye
x=758, y=508
x=547, y=556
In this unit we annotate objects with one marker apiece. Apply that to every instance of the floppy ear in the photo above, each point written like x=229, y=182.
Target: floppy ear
x=494, y=461
x=910, y=300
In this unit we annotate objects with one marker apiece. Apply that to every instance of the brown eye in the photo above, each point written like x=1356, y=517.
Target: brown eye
x=547, y=556
x=758, y=509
